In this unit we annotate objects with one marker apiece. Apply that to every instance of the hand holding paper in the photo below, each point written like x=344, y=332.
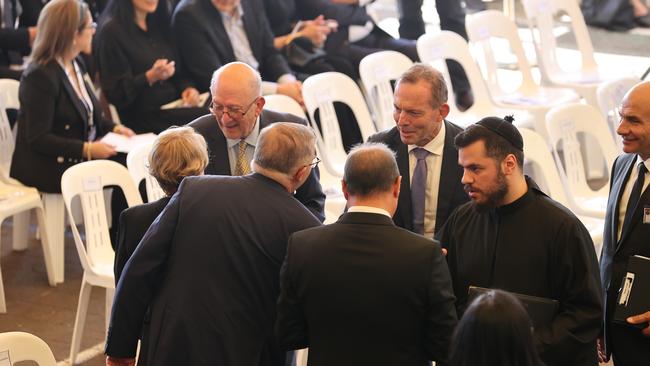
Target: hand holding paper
x=640, y=319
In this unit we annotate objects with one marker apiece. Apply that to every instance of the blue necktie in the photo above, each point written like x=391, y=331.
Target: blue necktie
x=418, y=189
x=635, y=195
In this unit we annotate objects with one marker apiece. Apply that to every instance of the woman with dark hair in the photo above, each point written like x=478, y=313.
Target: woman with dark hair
x=60, y=121
x=494, y=331
x=137, y=71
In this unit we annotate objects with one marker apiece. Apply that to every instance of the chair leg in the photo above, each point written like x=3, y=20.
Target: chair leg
x=3, y=305
x=109, y=306
x=54, y=224
x=80, y=319
x=21, y=230
x=48, y=253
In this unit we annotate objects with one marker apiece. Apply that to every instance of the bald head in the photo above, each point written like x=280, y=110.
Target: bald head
x=634, y=127
x=370, y=169
x=284, y=147
x=237, y=75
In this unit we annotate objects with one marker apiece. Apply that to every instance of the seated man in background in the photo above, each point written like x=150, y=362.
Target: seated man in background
x=363, y=291
x=232, y=129
x=211, y=33
x=513, y=237
x=209, y=266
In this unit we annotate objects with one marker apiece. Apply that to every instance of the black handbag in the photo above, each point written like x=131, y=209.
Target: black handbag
x=301, y=51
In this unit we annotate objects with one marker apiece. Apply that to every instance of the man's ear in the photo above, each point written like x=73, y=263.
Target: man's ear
x=344, y=188
x=396, y=186
x=509, y=164
x=444, y=110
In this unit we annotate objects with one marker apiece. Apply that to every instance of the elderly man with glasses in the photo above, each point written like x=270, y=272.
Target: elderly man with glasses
x=232, y=129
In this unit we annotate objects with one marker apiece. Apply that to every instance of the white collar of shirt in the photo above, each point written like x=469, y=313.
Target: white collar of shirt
x=368, y=209
x=251, y=139
x=238, y=14
x=645, y=162
x=436, y=145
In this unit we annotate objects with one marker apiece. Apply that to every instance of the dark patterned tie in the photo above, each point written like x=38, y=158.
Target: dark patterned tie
x=634, y=197
x=241, y=166
x=418, y=189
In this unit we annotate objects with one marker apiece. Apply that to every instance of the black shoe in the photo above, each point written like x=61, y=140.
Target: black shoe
x=643, y=21
x=464, y=100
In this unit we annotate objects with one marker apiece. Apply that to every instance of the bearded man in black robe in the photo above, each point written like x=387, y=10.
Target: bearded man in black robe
x=513, y=237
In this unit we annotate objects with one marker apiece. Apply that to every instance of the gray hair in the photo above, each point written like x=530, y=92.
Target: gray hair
x=254, y=77
x=369, y=169
x=422, y=72
x=284, y=147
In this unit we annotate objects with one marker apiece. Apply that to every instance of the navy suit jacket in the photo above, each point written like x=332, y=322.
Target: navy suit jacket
x=634, y=241
x=450, y=191
x=204, y=46
x=310, y=193
x=208, y=267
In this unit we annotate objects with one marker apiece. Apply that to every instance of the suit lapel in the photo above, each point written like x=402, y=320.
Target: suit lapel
x=218, y=152
x=249, y=27
x=217, y=32
x=74, y=97
x=619, y=185
x=447, y=185
x=404, y=204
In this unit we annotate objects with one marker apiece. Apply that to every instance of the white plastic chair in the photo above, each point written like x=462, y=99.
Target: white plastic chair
x=537, y=151
x=563, y=124
x=9, y=89
x=434, y=49
x=584, y=79
x=377, y=70
x=610, y=94
x=320, y=91
x=483, y=29
x=86, y=181
x=25, y=347
x=334, y=202
x=136, y=162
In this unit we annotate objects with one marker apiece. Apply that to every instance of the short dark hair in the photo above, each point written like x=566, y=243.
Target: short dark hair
x=496, y=146
x=370, y=168
x=495, y=330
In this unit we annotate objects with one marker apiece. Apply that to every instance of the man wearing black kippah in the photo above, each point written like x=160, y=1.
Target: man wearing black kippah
x=513, y=237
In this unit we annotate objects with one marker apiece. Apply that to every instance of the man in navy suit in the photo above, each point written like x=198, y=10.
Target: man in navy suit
x=627, y=228
x=238, y=117
x=208, y=267
x=420, y=109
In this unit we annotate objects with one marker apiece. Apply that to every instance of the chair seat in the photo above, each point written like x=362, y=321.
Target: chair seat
x=592, y=206
x=14, y=199
x=544, y=97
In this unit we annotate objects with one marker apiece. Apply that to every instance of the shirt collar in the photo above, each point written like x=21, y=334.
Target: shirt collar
x=251, y=139
x=368, y=209
x=436, y=145
x=239, y=13
x=645, y=162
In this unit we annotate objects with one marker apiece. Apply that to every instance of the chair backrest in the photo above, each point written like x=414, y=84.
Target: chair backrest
x=563, y=124
x=320, y=91
x=21, y=346
x=6, y=142
x=9, y=87
x=284, y=104
x=483, y=29
x=610, y=94
x=540, y=17
x=377, y=70
x=136, y=162
x=434, y=49
x=86, y=181
x=537, y=151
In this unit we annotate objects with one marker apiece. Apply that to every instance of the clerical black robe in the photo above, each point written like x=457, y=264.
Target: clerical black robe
x=532, y=246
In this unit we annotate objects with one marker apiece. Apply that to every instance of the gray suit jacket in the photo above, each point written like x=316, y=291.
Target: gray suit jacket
x=310, y=193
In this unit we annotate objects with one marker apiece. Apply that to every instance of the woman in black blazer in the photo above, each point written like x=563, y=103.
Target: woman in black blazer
x=60, y=121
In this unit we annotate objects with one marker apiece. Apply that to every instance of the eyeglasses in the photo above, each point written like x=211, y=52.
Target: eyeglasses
x=235, y=112
x=314, y=163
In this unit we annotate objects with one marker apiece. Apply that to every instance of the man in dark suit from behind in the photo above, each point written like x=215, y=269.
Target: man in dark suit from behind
x=627, y=229
x=232, y=129
x=208, y=267
x=363, y=291
x=424, y=144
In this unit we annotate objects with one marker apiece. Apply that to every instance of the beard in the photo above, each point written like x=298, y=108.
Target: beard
x=493, y=197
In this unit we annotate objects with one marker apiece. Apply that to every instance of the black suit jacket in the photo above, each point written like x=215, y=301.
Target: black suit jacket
x=134, y=222
x=52, y=127
x=12, y=40
x=634, y=241
x=450, y=191
x=204, y=45
x=364, y=292
x=208, y=267
x=310, y=193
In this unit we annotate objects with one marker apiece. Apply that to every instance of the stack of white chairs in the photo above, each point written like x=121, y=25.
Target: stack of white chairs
x=610, y=95
x=564, y=123
x=334, y=202
x=536, y=151
x=86, y=181
x=22, y=346
x=483, y=29
x=584, y=79
x=377, y=71
x=320, y=91
x=137, y=161
x=434, y=49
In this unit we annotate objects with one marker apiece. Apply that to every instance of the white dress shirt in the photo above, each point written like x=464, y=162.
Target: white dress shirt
x=368, y=209
x=434, y=166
